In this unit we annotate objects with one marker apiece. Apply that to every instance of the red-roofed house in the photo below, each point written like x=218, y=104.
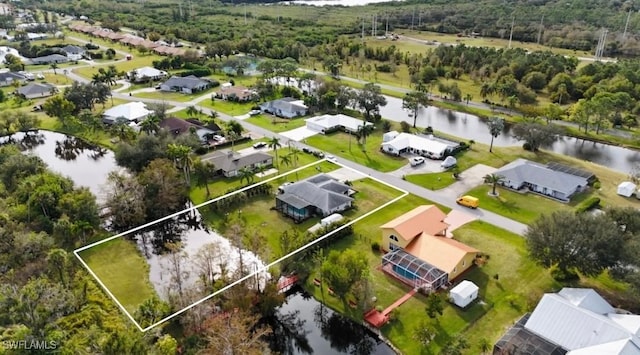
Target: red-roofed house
x=419, y=252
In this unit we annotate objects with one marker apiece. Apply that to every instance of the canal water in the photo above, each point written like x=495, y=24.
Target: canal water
x=471, y=127
x=305, y=326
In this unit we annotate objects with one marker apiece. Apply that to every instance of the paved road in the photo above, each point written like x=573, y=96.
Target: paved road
x=435, y=196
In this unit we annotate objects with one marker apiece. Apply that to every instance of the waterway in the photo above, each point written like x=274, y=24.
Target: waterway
x=305, y=326
x=85, y=164
x=471, y=127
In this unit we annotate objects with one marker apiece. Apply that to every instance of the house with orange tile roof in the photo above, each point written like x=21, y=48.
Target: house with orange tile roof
x=419, y=253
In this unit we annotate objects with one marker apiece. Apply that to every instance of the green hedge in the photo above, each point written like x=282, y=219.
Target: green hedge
x=591, y=202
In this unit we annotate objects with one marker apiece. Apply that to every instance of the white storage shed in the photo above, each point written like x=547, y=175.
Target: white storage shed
x=626, y=189
x=464, y=293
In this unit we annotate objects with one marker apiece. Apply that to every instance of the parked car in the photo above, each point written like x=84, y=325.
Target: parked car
x=449, y=162
x=254, y=112
x=259, y=145
x=331, y=158
x=307, y=150
x=415, y=161
x=318, y=154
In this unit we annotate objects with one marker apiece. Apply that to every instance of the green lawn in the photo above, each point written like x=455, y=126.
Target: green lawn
x=172, y=96
x=230, y=108
x=276, y=124
x=346, y=146
x=432, y=181
x=121, y=268
x=525, y=208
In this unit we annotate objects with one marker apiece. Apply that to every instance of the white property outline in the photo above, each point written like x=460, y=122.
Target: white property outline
x=266, y=267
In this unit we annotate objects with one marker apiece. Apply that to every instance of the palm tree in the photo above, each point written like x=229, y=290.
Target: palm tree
x=192, y=111
x=202, y=173
x=496, y=125
x=285, y=160
x=150, y=125
x=363, y=131
x=274, y=143
x=468, y=97
x=54, y=66
x=494, y=180
x=260, y=169
x=182, y=156
x=246, y=174
x=294, y=158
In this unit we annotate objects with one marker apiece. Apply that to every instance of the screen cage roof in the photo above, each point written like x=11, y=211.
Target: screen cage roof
x=424, y=271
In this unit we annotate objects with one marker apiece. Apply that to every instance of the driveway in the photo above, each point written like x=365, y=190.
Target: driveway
x=469, y=179
x=299, y=133
x=457, y=219
x=429, y=166
x=346, y=174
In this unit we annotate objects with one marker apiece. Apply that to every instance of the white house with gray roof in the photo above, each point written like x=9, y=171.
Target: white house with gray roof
x=319, y=195
x=36, y=90
x=8, y=78
x=74, y=52
x=574, y=321
x=230, y=163
x=524, y=174
x=286, y=107
x=50, y=59
x=187, y=84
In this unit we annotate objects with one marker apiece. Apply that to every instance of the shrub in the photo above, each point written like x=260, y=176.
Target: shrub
x=560, y=275
x=375, y=246
x=405, y=126
x=597, y=185
x=526, y=146
x=591, y=202
x=386, y=126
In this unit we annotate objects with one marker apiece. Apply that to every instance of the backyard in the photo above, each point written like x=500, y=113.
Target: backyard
x=128, y=278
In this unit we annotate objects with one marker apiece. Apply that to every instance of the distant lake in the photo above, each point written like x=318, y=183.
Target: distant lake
x=339, y=2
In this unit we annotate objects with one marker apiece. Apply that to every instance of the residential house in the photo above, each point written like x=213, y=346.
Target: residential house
x=236, y=93
x=553, y=180
x=131, y=111
x=419, y=252
x=36, y=90
x=319, y=195
x=146, y=74
x=8, y=78
x=50, y=59
x=331, y=123
x=287, y=107
x=74, y=52
x=179, y=126
x=574, y=321
x=230, y=163
x=188, y=84
x=427, y=146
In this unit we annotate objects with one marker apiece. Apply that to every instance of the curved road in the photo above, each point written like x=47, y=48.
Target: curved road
x=435, y=196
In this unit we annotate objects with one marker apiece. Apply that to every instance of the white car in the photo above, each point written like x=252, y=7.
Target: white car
x=254, y=112
x=331, y=158
x=415, y=161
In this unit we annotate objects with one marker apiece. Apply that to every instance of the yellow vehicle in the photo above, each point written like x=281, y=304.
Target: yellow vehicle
x=468, y=201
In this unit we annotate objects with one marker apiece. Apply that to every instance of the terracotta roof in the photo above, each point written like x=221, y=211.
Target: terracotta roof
x=427, y=218
x=441, y=252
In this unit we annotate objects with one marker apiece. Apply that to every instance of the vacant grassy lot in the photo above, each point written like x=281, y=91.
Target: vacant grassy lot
x=119, y=265
x=230, y=108
x=524, y=208
x=276, y=124
x=346, y=146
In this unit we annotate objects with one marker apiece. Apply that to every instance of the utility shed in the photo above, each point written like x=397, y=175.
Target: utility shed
x=626, y=189
x=464, y=293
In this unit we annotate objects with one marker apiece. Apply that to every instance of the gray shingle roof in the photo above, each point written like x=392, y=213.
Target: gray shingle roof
x=10, y=75
x=286, y=104
x=189, y=82
x=520, y=171
x=35, y=89
x=315, y=191
x=230, y=161
x=73, y=49
x=51, y=58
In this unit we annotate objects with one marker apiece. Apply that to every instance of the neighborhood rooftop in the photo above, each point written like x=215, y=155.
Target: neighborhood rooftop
x=524, y=171
x=325, y=194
